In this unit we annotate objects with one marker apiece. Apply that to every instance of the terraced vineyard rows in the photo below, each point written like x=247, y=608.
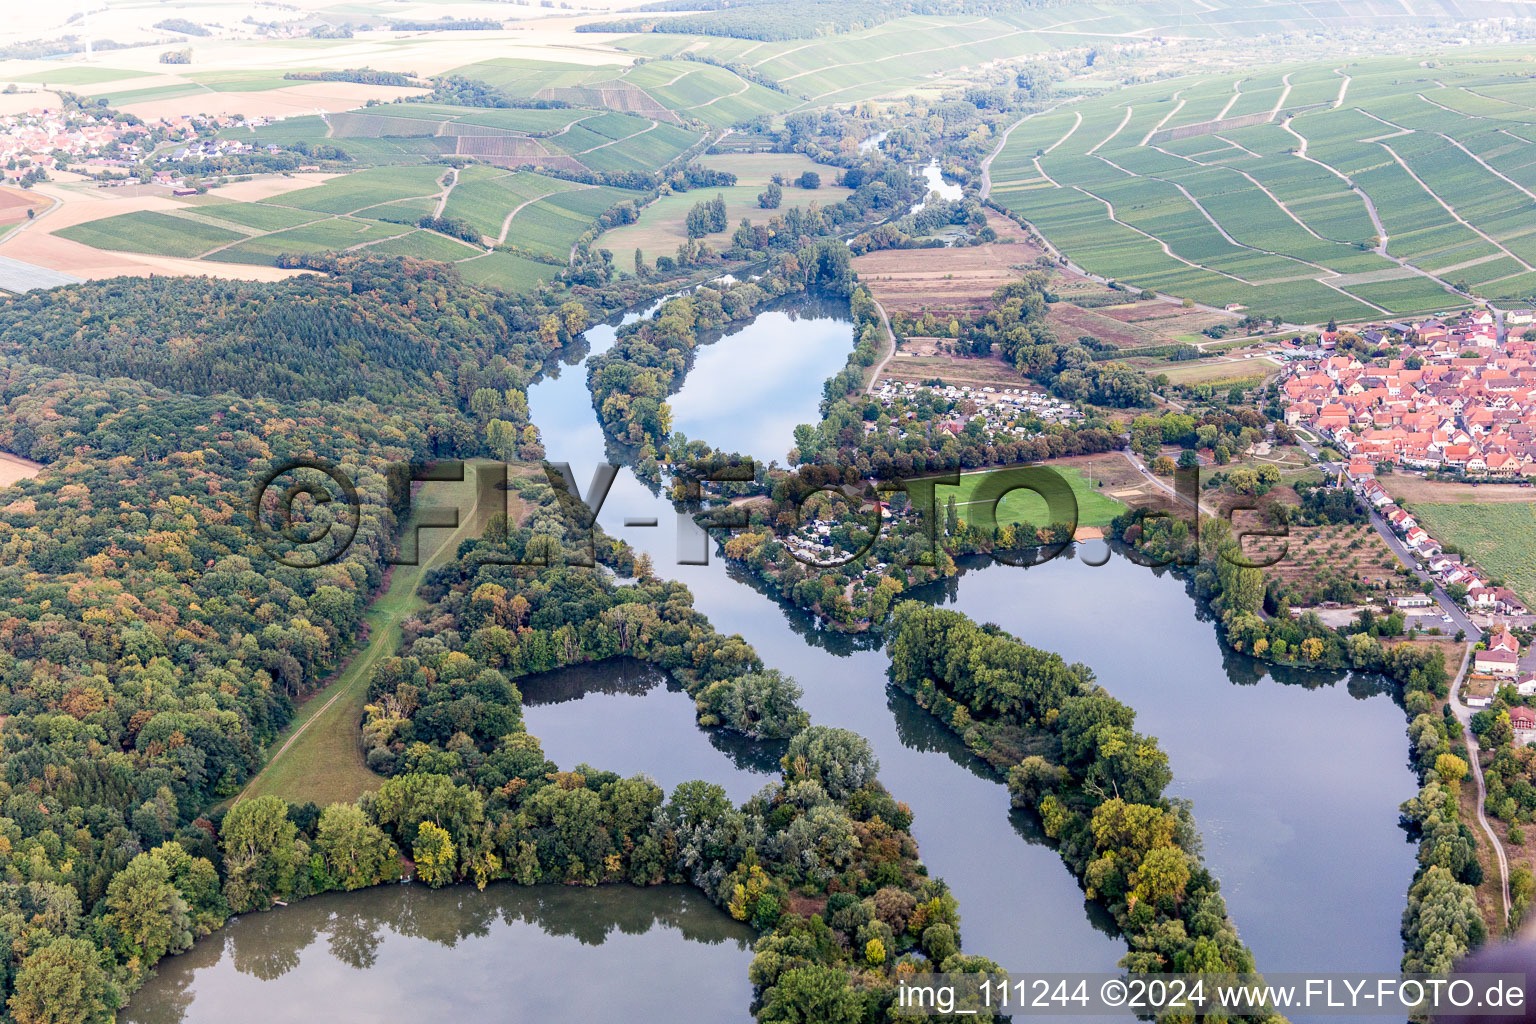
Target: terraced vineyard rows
x=1380, y=187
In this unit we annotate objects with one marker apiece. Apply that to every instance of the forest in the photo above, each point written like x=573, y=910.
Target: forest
x=157, y=646
x=154, y=645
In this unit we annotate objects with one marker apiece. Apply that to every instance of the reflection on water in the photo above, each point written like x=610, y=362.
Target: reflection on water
x=629, y=717
x=936, y=183
x=397, y=952
x=1295, y=780
x=749, y=387
x=1295, y=774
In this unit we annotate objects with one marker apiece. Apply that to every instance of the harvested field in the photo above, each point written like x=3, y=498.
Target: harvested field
x=265, y=188
x=40, y=245
x=300, y=98
x=14, y=204
x=14, y=469
x=1132, y=325
x=20, y=102
x=1411, y=488
x=918, y=359
x=903, y=279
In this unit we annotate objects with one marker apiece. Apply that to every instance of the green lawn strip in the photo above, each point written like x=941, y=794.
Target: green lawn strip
x=319, y=756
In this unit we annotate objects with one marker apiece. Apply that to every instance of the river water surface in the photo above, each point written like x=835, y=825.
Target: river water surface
x=1295, y=780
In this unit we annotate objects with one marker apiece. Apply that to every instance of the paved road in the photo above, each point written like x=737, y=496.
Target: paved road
x=1153, y=478
x=890, y=339
x=1464, y=716
x=1459, y=618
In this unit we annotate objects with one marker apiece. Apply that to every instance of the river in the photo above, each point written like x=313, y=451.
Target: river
x=936, y=183
x=1295, y=778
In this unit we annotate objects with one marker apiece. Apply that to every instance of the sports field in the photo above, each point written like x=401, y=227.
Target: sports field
x=1094, y=507
x=1367, y=188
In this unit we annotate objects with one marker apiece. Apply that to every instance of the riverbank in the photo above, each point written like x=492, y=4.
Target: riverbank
x=1067, y=751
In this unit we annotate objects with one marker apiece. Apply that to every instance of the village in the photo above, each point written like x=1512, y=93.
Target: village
x=114, y=148
x=1457, y=399
x=1451, y=398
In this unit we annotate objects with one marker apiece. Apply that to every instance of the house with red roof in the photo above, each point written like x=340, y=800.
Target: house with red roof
x=1496, y=663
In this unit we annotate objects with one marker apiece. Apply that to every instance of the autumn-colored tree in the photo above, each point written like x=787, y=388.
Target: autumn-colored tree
x=435, y=856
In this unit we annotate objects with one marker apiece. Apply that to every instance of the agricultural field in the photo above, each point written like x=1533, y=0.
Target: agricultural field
x=1133, y=325
x=1315, y=560
x=904, y=279
x=159, y=234
x=570, y=138
x=506, y=270
x=674, y=92
x=1499, y=536
x=661, y=228
x=923, y=55
x=375, y=209
x=1362, y=192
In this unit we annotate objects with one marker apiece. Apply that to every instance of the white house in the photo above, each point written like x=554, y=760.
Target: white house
x=1498, y=663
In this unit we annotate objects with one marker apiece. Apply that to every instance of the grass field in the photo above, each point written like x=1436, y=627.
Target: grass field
x=1500, y=537
x=1272, y=206
x=1094, y=507
x=80, y=75
x=319, y=757
x=661, y=227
